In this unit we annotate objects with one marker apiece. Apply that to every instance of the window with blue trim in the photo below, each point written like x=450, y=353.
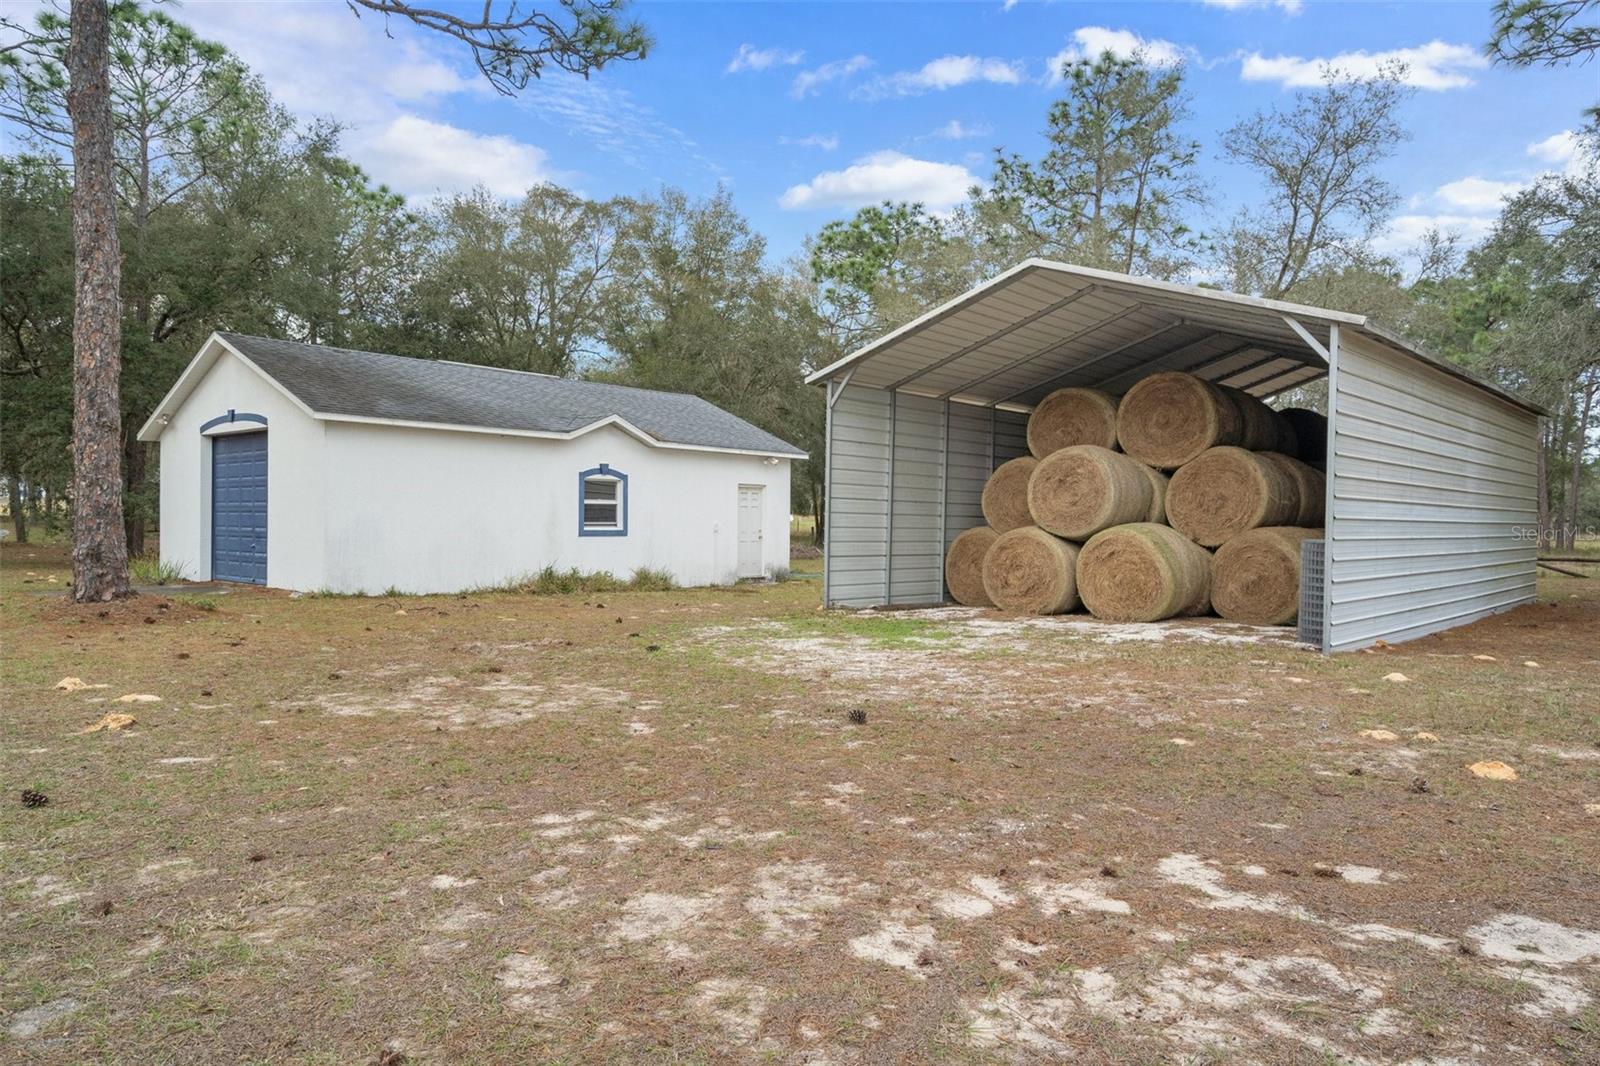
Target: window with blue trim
x=602, y=502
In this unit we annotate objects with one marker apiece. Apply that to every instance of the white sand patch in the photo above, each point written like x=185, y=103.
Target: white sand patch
x=186, y=760
x=530, y=980
x=895, y=944
x=1205, y=1000
x=1075, y=896
x=1519, y=938
x=724, y=830
x=554, y=890
x=446, y=882
x=460, y=919
x=1204, y=876
x=737, y=1006
x=1376, y=932
x=661, y=916
x=27, y=1023
x=457, y=704
x=846, y=788
x=1557, y=994
x=992, y=890
x=166, y=870
x=52, y=891
x=640, y=729
x=1364, y=875
x=1384, y=1021
x=962, y=905
x=791, y=897
x=1253, y=871
x=651, y=823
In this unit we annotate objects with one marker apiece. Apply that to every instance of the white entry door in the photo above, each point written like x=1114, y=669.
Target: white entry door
x=750, y=522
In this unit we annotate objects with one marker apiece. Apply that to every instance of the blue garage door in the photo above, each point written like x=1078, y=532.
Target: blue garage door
x=239, y=508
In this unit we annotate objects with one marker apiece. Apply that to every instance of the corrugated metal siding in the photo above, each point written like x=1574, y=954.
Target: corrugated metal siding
x=1010, y=435
x=1432, y=489
x=916, y=551
x=970, y=462
x=938, y=455
x=857, y=523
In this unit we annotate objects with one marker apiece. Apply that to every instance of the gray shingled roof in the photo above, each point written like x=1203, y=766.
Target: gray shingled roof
x=339, y=381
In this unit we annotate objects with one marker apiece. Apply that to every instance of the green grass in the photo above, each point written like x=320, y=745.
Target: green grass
x=883, y=631
x=553, y=582
x=150, y=569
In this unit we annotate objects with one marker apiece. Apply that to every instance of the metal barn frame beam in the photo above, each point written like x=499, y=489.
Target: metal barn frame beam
x=1071, y=298
x=1071, y=338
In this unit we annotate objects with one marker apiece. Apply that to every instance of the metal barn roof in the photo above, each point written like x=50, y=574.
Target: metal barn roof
x=1044, y=325
x=341, y=383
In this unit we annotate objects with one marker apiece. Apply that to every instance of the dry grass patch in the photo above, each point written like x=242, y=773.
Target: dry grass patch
x=642, y=826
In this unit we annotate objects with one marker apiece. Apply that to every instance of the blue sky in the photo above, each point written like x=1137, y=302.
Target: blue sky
x=807, y=111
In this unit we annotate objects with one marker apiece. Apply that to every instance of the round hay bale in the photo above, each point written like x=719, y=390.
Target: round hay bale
x=1031, y=572
x=1261, y=428
x=1309, y=486
x=963, y=566
x=1227, y=491
x=1310, y=434
x=1255, y=577
x=1143, y=572
x=1076, y=492
x=1158, y=493
x=1068, y=417
x=1005, y=495
x=1168, y=419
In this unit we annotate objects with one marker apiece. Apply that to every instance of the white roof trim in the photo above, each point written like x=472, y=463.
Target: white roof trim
x=215, y=345
x=542, y=434
x=175, y=397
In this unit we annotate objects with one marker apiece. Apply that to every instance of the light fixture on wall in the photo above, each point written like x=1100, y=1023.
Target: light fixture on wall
x=770, y=461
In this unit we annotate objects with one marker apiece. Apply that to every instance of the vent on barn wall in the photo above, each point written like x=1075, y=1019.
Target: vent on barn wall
x=1311, y=593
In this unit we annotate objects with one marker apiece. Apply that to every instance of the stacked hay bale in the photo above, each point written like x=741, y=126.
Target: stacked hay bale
x=1120, y=500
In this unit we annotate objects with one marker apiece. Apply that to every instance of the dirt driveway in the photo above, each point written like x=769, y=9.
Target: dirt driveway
x=643, y=827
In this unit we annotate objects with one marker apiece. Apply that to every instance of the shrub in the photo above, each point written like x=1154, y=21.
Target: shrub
x=149, y=569
x=553, y=582
x=652, y=579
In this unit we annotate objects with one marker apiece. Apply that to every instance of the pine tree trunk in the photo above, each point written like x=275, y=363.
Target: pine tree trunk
x=99, y=550
x=19, y=513
x=134, y=460
x=1544, y=483
x=1580, y=444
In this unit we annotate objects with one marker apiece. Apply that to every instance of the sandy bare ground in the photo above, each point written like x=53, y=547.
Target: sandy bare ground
x=642, y=827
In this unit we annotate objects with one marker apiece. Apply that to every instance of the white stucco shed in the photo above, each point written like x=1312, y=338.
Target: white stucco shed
x=313, y=468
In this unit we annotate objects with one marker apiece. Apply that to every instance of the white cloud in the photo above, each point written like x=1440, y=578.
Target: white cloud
x=1090, y=42
x=749, y=57
x=419, y=157
x=884, y=175
x=1435, y=65
x=1477, y=194
x=826, y=141
x=956, y=130
x=1288, y=7
x=1405, y=232
x=807, y=81
x=946, y=72
x=1558, y=148
x=323, y=59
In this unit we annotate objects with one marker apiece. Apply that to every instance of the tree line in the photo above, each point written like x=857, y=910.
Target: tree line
x=230, y=214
